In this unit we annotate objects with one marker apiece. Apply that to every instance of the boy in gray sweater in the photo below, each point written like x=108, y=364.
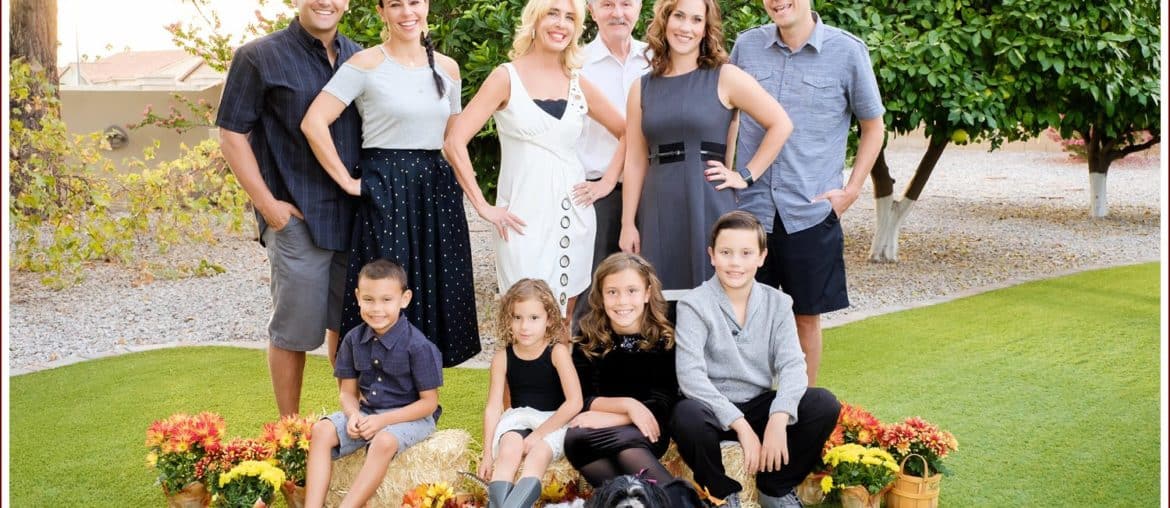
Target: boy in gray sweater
x=743, y=374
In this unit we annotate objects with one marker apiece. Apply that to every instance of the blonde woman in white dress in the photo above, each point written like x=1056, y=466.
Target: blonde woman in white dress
x=539, y=103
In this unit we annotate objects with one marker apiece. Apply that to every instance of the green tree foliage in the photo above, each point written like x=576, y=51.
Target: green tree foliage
x=1096, y=68
x=1005, y=70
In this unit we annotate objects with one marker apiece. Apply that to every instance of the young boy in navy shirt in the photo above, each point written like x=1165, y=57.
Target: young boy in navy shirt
x=390, y=376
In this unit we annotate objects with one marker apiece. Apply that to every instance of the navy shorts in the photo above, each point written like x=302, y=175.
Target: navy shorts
x=809, y=266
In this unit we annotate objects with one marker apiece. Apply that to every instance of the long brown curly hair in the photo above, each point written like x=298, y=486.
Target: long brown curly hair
x=712, y=54
x=523, y=290
x=596, y=334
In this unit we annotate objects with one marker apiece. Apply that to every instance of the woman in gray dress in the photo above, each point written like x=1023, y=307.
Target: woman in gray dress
x=679, y=174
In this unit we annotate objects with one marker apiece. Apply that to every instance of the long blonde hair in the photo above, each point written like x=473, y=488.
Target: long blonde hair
x=595, y=339
x=525, y=35
x=711, y=51
x=523, y=290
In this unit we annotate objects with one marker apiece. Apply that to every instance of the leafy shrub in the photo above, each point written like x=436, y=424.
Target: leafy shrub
x=69, y=205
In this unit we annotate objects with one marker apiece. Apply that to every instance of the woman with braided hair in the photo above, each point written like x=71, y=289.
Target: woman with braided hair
x=410, y=204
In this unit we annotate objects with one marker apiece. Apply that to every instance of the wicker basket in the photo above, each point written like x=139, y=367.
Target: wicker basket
x=294, y=495
x=193, y=495
x=809, y=491
x=911, y=491
x=856, y=496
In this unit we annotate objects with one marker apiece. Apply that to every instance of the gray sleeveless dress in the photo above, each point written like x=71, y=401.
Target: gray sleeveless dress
x=685, y=126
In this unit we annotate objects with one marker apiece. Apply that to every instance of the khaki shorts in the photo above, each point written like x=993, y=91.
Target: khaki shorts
x=307, y=285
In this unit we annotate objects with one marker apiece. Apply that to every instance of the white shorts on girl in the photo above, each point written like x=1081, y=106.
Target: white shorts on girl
x=526, y=418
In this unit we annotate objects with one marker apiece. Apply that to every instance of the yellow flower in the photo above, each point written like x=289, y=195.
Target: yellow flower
x=826, y=484
x=152, y=459
x=554, y=491
x=303, y=444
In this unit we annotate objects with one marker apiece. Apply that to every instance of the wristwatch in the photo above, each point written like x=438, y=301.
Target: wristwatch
x=747, y=175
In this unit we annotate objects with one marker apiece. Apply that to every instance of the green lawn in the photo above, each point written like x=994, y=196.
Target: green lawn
x=1050, y=387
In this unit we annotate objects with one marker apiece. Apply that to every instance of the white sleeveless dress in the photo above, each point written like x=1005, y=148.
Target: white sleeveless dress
x=538, y=169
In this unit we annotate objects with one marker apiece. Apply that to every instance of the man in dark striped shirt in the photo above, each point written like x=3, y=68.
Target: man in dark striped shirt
x=305, y=219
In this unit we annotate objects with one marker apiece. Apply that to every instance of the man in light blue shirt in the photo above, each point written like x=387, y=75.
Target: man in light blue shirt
x=823, y=77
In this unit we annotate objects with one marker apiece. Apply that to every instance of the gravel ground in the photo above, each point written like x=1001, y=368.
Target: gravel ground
x=984, y=221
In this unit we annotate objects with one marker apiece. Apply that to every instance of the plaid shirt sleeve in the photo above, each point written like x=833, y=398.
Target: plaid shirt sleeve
x=243, y=94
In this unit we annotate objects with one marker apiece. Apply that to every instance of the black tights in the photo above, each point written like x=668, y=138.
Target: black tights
x=628, y=461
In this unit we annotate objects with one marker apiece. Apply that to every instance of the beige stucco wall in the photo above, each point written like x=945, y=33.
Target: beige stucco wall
x=89, y=110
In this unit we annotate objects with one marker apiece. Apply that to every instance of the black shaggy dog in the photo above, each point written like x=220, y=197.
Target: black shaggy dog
x=629, y=491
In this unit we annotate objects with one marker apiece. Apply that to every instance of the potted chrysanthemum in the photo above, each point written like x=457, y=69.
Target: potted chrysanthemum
x=288, y=442
x=919, y=447
x=250, y=484
x=175, y=446
x=229, y=455
x=854, y=425
x=861, y=474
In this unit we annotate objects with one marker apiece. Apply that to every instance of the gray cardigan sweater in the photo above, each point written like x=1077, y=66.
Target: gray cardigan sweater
x=720, y=363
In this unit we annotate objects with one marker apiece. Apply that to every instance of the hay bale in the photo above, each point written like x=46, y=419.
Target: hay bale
x=438, y=458
x=559, y=479
x=732, y=463
x=560, y=471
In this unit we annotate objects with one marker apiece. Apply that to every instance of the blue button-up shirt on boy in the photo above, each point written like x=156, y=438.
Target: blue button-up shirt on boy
x=391, y=369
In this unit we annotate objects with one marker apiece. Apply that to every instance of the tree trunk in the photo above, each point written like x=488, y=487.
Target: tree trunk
x=33, y=37
x=33, y=34
x=1098, y=152
x=891, y=213
x=1098, y=201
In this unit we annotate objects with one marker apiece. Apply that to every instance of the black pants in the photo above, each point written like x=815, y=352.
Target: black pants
x=697, y=434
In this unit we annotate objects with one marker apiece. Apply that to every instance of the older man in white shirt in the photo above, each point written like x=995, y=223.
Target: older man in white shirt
x=613, y=61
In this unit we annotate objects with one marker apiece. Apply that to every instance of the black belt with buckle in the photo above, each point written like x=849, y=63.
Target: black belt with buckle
x=676, y=152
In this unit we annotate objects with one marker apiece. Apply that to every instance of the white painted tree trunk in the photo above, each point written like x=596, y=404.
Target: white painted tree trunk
x=1098, y=200
x=890, y=215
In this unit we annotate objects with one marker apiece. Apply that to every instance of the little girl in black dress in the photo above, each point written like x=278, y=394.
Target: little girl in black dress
x=532, y=394
x=625, y=361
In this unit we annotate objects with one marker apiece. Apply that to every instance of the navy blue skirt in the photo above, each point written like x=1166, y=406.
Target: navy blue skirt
x=411, y=212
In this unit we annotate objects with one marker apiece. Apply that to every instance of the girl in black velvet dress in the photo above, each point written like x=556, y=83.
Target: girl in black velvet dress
x=625, y=361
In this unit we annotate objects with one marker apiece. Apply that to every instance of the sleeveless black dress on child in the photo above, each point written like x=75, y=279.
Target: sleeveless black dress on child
x=536, y=393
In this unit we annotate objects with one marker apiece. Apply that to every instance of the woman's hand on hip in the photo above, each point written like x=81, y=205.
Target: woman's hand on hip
x=586, y=193
x=717, y=172
x=502, y=219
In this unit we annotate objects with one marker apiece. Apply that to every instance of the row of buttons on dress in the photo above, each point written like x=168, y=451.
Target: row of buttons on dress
x=564, y=262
